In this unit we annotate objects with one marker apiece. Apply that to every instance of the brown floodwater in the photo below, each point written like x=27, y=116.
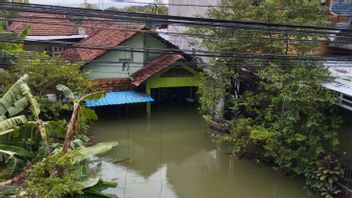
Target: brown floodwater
x=172, y=154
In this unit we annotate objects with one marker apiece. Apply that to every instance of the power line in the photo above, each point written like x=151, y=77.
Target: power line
x=201, y=53
x=168, y=19
x=178, y=34
x=282, y=61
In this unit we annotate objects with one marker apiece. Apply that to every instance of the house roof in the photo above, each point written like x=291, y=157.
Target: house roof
x=342, y=73
x=119, y=98
x=43, y=24
x=153, y=67
x=115, y=84
x=106, y=38
x=342, y=38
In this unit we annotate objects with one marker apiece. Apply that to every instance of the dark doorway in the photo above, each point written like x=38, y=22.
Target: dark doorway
x=174, y=94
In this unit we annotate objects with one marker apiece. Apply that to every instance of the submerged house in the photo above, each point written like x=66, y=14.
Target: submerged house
x=130, y=61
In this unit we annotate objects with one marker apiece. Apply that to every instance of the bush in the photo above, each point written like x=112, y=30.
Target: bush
x=44, y=179
x=323, y=176
x=45, y=73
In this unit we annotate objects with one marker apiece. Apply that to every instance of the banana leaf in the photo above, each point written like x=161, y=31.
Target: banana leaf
x=94, y=187
x=67, y=91
x=14, y=151
x=6, y=132
x=26, y=91
x=93, y=96
x=12, y=122
x=12, y=95
x=97, y=149
x=7, y=190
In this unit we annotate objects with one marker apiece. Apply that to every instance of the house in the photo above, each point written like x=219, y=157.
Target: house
x=124, y=67
x=126, y=59
x=46, y=28
x=340, y=43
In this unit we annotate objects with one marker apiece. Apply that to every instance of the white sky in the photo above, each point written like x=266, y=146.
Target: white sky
x=99, y=3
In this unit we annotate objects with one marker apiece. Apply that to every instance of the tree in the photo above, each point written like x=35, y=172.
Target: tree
x=47, y=72
x=287, y=118
x=80, y=114
x=149, y=9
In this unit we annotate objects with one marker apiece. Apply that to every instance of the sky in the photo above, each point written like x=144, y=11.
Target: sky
x=99, y=3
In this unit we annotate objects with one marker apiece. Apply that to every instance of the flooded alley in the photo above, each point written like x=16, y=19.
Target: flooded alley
x=172, y=154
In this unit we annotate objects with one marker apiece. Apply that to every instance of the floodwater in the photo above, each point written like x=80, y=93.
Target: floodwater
x=344, y=148
x=172, y=154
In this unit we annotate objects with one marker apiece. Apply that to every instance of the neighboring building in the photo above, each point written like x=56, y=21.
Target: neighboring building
x=341, y=43
x=46, y=27
x=176, y=9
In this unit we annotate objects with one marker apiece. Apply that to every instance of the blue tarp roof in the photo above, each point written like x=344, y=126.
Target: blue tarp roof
x=118, y=98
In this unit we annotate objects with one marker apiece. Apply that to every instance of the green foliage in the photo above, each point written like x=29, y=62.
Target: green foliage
x=323, y=176
x=97, y=149
x=84, y=115
x=13, y=151
x=7, y=190
x=45, y=73
x=212, y=90
x=95, y=186
x=149, y=9
x=63, y=174
x=285, y=117
x=43, y=179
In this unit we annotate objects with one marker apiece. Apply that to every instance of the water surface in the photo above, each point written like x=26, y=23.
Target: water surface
x=172, y=154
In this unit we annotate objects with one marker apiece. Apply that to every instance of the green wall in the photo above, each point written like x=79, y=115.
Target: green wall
x=105, y=66
x=151, y=42
x=158, y=81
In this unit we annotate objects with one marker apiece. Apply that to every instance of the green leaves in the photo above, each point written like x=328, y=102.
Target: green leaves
x=67, y=92
x=280, y=113
x=7, y=190
x=97, y=149
x=15, y=151
x=95, y=186
x=93, y=96
x=10, y=123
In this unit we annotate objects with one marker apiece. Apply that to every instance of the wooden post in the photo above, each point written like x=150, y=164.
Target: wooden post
x=191, y=92
x=148, y=105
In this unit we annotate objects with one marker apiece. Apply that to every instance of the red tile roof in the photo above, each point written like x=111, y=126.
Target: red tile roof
x=153, y=67
x=105, y=38
x=120, y=84
x=43, y=24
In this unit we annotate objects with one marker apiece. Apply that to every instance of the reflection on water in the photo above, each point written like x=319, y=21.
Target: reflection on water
x=172, y=155
x=345, y=134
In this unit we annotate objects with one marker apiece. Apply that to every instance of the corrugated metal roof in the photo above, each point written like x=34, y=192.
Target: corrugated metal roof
x=342, y=71
x=118, y=98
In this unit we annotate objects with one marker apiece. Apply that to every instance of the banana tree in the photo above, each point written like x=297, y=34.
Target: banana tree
x=13, y=106
x=14, y=102
x=79, y=112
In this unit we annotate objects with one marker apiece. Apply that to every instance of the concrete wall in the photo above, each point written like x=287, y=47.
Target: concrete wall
x=188, y=11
